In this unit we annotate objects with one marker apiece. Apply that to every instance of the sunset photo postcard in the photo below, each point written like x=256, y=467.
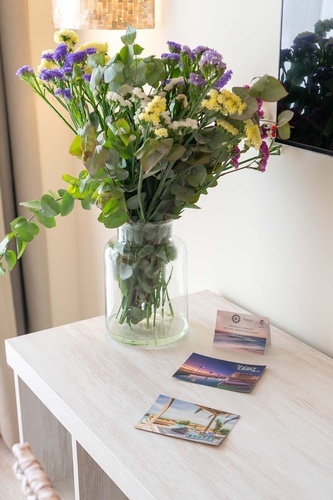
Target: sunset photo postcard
x=228, y=375
x=242, y=331
x=192, y=422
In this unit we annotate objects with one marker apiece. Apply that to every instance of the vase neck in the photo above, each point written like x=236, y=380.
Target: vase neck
x=143, y=233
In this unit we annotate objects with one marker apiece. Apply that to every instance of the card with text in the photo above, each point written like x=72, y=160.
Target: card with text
x=242, y=331
x=193, y=422
x=228, y=375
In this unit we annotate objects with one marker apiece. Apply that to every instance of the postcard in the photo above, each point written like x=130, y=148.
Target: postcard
x=228, y=375
x=181, y=419
x=242, y=331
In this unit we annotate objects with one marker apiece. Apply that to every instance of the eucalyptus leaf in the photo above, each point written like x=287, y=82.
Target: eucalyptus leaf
x=48, y=222
x=75, y=147
x=20, y=247
x=96, y=77
x=184, y=193
x=97, y=160
x=67, y=204
x=268, y=88
x=129, y=37
x=284, y=117
x=115, y=73
x=24, y=229
x=33, y=205
x=49, y=206
x=127, y=54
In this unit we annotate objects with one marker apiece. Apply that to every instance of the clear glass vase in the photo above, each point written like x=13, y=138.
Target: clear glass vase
x=146, y=285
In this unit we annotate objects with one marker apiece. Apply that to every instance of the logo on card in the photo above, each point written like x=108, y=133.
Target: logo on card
x=236, y=318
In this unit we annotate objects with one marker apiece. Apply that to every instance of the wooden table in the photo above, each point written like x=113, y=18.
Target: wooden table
x=80, y=393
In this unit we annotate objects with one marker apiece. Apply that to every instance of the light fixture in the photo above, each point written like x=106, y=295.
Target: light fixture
x=103, y=14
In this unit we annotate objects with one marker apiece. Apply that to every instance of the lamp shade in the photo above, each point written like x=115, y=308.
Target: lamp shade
x=103, y=14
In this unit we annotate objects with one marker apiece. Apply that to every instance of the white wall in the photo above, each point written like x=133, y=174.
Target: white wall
x=262, y=240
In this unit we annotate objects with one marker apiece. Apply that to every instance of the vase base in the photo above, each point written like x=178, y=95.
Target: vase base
x=165, y=332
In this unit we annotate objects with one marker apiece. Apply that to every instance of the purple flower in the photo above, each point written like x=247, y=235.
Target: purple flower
x=196, y=79
x=173, y=56
x=264, y=158
x=199, y=50
x=225, y=78
x=24, y=70
x=60, y=52
x=48, y=56
x=174, y=47
x=186, y=48
x=87, y=77
x=212, y=58
x=80, y=56
x=51, y=74
x=65, y=93
x=66, y=69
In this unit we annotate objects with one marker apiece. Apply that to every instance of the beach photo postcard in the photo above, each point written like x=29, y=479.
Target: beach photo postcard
x=194, y=422
x=219, y=373
x=242, y=331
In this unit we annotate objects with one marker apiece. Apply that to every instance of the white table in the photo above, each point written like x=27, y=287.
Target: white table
x=80, y=393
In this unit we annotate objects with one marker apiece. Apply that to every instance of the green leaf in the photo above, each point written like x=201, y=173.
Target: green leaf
x=155, y=72
x=2, y=269
x=34, y=205
x=268, y=89
x=48, y=222
x=50, y=207
x=4, y=243
x=197, y=176
x=129, y=37
x=96, y=77
x=127, y=54
x=75, y=148
x=152, y=151
x=133, y=201
x=146, y=250
x=284, y=132
x=20, y=247
x=137, y=49
x=115, y=72
x=284, y=117
x=10, y=257
x=24, y=229
x=117, y=219
x=184, y=193
x=94, y=162
x=176, y=152
x=67, y=204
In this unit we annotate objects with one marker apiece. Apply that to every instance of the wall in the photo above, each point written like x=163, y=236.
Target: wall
x=263, y=241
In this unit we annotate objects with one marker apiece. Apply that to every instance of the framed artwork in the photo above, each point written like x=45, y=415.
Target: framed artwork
x=306, y=70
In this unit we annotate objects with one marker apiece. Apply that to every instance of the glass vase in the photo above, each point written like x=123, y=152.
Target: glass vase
x=146, y=285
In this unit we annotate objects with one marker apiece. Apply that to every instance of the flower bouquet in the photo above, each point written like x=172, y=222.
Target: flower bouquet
x=153, y=134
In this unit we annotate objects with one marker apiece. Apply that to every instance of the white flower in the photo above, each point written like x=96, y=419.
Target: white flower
x=188, y=123
x=113, y=96
x=174, y=81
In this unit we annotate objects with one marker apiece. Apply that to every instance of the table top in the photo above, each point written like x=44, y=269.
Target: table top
x=281, y=447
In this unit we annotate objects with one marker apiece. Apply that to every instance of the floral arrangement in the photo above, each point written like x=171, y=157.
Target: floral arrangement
x=306, y=71
x=153, y=133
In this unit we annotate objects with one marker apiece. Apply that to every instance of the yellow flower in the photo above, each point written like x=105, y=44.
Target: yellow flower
x=66, y=36
x=211, y=103
x=227, y=126
x=230, y=102
x=161, y=132
x=153, y=110
x=99, y=46
x=253, y=134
